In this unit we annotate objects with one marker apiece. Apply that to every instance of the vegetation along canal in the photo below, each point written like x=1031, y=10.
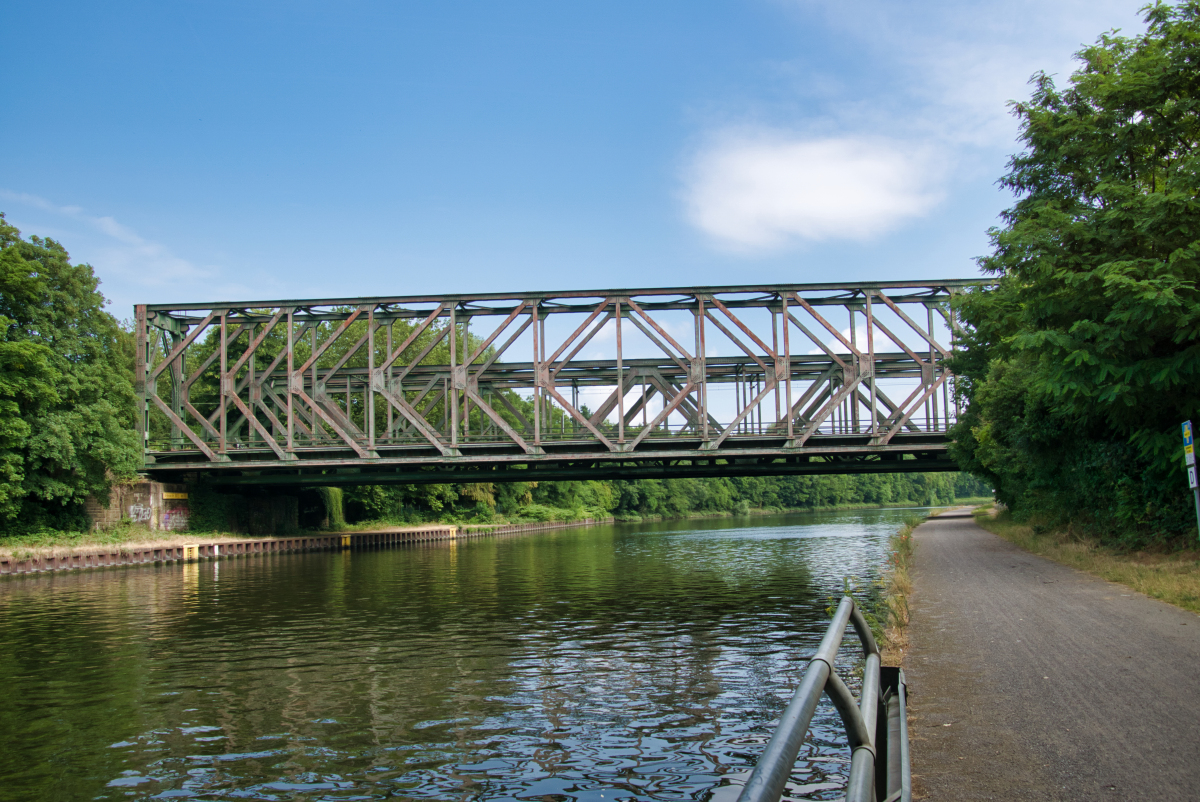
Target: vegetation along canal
x=641, y=661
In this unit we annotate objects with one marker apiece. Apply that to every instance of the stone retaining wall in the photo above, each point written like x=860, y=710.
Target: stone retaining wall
x=161, y=507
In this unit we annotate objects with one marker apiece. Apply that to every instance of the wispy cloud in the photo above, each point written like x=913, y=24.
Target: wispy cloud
x=947, y=68
x=118, y=249
x=758, y=190
x=815, y=168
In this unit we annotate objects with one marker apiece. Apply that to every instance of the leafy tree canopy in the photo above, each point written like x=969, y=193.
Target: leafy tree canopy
x=66, y=392
x=1083, y=361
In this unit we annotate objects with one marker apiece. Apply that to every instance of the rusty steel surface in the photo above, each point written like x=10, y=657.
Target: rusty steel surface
x=753, y=380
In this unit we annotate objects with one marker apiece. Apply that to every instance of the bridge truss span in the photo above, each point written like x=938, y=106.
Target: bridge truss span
x=694, y=381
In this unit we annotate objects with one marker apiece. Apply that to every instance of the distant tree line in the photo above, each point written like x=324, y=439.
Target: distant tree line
x=641, y=498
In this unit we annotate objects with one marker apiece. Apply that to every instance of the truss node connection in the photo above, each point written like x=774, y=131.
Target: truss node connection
x=689, y=381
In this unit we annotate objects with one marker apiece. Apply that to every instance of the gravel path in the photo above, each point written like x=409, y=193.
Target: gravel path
x=1033, y=681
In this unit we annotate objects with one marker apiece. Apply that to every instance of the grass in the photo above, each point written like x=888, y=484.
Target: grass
x=52, y=542
x=126, y=536
x=884, y=604
x=972, y=501
x=893, y=614
x=1172, y=577
x=897, y=585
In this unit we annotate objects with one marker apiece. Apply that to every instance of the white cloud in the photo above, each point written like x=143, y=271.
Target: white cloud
x=760, y=190
x=810, y=164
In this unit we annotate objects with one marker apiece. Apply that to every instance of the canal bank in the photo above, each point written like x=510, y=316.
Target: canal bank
x=186, y=549
x=118, y=542
x=1030, y=680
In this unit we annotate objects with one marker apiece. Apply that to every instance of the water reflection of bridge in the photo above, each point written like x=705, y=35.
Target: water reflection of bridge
x=756, y=380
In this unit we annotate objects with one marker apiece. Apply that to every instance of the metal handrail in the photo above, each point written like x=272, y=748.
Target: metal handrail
x=879, y=765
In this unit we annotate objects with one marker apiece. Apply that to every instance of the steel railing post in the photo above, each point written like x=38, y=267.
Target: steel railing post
x=873, y=771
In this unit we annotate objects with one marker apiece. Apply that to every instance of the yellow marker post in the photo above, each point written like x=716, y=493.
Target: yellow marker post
x=345, y=541
x=191, y=552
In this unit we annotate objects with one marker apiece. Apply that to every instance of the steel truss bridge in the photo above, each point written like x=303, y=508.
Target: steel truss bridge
x=695, y=381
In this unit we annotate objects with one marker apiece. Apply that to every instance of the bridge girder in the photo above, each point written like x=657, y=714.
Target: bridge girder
x=501, y=387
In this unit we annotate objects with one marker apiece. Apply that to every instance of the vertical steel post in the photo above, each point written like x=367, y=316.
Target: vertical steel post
x=178, y=372
x=787, y=364
x=620, y=380
x=452, y=398
x=645, y=403
x=834, y=383
x=854, y=360
x=466, y=354
x=390, y=324
x=737, y=394
x=871, y=359
x=316, y=419
x=748, y=380
x=931, y=425
x=370, y=412
x=953, y=340
x=755, y=415
x=291, y=366
x=224, y=378
x=775, y=353
x=758, y=412
x=744, y=401
x=139, y=382
x=153, y=344
x=545, y=395
x=252, y=434
x=537, y=377
x=946, y=401
x=701, y=356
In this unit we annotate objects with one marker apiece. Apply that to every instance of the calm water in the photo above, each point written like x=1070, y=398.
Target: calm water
x=617, y=662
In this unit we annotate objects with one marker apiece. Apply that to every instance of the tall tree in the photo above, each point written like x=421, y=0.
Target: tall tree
x=66, y=390
x=1082, y=362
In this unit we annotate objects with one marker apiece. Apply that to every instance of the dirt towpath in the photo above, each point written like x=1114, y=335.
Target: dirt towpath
x=1033, y=681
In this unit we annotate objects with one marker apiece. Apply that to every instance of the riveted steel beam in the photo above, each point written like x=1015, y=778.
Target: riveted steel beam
x=335, y=391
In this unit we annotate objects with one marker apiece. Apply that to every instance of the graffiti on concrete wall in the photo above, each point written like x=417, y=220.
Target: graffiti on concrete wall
x=140, y=513
x=175, y=518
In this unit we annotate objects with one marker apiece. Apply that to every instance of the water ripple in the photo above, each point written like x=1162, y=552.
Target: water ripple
x=613, y=663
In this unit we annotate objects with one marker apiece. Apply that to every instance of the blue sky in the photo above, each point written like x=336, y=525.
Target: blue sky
x=226, y=151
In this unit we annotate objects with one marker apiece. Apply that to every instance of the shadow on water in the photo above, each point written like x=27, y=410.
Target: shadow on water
x=617, y=662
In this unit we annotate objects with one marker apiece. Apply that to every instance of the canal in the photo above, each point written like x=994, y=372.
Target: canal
x=614, y=662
